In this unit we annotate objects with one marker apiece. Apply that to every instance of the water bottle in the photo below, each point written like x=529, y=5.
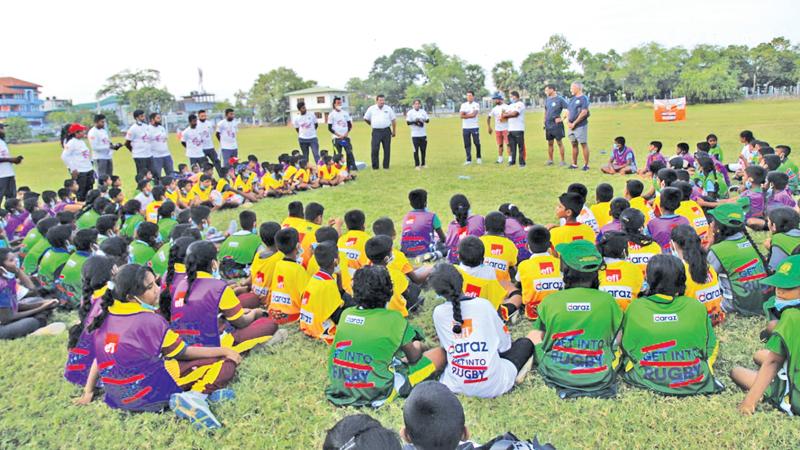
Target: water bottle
x=427, y=257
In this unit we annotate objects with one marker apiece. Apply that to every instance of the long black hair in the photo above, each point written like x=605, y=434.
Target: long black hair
x=447, y=282
x=511, y=210
x=692, y=250
x=613, y=244
x=91, y=198
x=116, y=248
x=632, y=223
x=200, y=257
x=666, y=276
x=459, y=205
x=95, y=273
x=723, y=232
x=128, y=282
x=177, y=254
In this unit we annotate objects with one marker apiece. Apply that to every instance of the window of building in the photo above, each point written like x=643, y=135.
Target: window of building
x=320, y=99
x=318, y=115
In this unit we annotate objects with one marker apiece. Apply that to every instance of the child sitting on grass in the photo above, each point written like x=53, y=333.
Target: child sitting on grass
x=54, y=258
x=778, y=193
x=633, y=193
x=666, y=330
x=28, y=315
x=776, y=380
x=433, y=418
x=464, y=224
x=237, y=251
x=289, y=279
x=385, y=227
x=421, y=228
x=146, y=243
x=539, y=275
x=406, y=296
x=130, y=337
x=469, y=331
x=618, y=205
x=131, y=218
x=602, y=207
x=653, y=156
x=702, y=281
x=568, y=208
x=364, y=365
x=353, y=241
x=585, y=216
x=784, y=240
x=660, y=227
x=692, y=211
x=480, y=280
x=620, y=277
x=323, y=299
x=69, y=285
x=501, y=253
x=640, y=247
x=622, y=160
x=517, y=229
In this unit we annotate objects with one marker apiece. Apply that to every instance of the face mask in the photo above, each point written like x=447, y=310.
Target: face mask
x=770, y=191
x=130, y=258
x=146, y=305
x=337, y=270
x=748, y=184
x=3, y=223
x=215, y=274
x=616, y=146
x=8, y=275
x=70, y=248
x=780, y=304
x=159, y=239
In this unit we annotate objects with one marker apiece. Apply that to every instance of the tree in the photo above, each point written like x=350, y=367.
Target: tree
x=551, y=65
x=392, y=74
x=773, y=63
x=600, y=71
x=708, y=75
x=505, y=77
x=151, y=99
x=650, y=70
x=268, y=94
x=127, y=81
x=17, y=129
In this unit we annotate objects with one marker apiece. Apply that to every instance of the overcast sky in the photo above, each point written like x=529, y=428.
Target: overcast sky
x=71, y=47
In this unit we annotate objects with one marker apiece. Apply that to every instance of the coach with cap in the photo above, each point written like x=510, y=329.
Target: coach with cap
x=78, y=159
x=381, y=117
x=8, y=183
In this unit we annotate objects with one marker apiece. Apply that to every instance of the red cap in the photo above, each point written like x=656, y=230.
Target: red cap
x=232, y=161
x=76, y=127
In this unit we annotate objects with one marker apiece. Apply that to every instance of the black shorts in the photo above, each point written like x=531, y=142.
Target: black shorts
x=555, y=133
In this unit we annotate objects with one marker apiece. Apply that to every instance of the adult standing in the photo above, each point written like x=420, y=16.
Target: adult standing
x=136, y=141
x=578, y=124
x=78, y=159
x=206, y=131
x=516, y=129
x=162, y=158
x=226, y=135
x=416, y=118
x=101, y=146
x=8, y=182
x=500, y=125
x=554, y=104
x=305, y=124
x=192, y=141
x=384, y=127
x=339, y=124
x=469, y=127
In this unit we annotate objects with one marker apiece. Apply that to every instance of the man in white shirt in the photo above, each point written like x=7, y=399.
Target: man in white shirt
x=416, y=118
x=226, y=135
x=157, y=137
x=469, y=127
x=500, y=125
x=206, y=131
x=340, y=124
x=305, y=124
x=136, y=141
x=192, y=141
x=381, y=117
x=101, y=146
x=78, y=159
x=8, y=183
x=516, y=129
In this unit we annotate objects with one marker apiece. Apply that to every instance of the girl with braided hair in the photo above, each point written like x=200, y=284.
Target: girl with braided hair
x=469, y=330
x=464, y=224
x=176, y=272
x=95, y=275
x=145, y=366
x=202, y=296
x=702, y=281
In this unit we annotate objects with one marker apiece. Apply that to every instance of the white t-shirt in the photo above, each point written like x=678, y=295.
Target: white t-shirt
x=338, y=121
x=305, y=124
x=101, y=145
x=76, y=156
x=412, y=116
x=194, y=142
x=474, y=366
x=467, y=107
x=379, y=117
x=137, y=134
x=517, y=123
x=157, y=137
x=586, y=217
x=497, y=112
x=6, y=168
x=206, y=131
x=227, y=134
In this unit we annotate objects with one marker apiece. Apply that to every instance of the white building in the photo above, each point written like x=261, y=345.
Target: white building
x=319, y=101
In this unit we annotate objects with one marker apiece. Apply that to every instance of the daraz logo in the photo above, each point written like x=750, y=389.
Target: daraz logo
x=613, y=275
x=410, y=221
x=497, y=249
x=472, y=291
x=546, y=268
x=260, y=277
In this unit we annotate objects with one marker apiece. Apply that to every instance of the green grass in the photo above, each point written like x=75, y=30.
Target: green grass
x=280, y=401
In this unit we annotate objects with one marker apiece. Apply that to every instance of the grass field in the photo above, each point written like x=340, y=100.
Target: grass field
x=280, y=402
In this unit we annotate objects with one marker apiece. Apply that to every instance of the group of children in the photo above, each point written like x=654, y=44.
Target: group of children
x=629, y=287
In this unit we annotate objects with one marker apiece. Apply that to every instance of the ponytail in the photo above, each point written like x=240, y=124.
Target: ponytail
x=199, y=257
x=106, y=301
x=446, y=281
x=459, y=321
x=758, y=252
x=95, y=274
x=693, y=252
x=459, y=205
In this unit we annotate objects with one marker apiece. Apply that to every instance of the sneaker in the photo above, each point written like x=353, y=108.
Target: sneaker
x=549, y=163
x=468, y=162
x=221, y=395
x=499, y=160
x=573, y=167
x=523, y=372
x=277, y=338
x=52, y=329
x=585, y=168
x=424, y=166
x=417, y=168
x=522, y=165
x=479, y=161
x=509, y=158
x=562, y=164
x=194, y=408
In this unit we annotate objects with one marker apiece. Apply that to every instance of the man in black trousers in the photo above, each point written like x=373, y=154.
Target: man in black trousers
x=384, y=127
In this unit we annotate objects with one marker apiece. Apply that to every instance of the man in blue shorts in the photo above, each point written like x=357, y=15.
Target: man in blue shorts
x=554, y=104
